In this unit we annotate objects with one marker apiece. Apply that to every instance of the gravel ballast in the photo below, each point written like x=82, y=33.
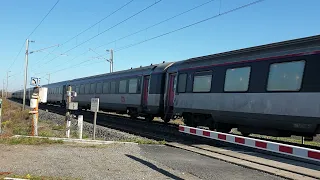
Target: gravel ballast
x=103, y=133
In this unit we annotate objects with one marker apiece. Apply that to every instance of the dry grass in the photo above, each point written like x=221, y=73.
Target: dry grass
x=172, y=121
x=143, y=141
x=28, y=141
x=14, y=120
x=18, y=122
x=32, y=177
x=177, y=121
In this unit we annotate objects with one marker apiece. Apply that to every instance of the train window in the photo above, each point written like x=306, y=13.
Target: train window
x=182, y=83
x=123, y=86
x=285, y=76
x=87, y=88
x=99, y=88
x=81, y=89
x=133, y=85
x=237, y=79
x=78, y=89
x=57, y=90
x=113, y=87
x=202, y=83
x=139, y=85
x=92, y=88
x=106, y=87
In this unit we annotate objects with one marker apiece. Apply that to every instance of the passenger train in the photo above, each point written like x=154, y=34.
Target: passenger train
x=272, y=89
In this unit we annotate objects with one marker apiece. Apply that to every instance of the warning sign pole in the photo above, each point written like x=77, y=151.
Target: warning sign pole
x=34, y=104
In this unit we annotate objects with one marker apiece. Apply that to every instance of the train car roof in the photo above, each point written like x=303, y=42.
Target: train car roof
x=306, y=44
x=142, y=70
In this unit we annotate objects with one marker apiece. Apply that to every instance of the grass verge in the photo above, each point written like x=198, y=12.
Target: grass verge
x=15, y=121
x=33, y=177
x=28, y=141
x=143, y=141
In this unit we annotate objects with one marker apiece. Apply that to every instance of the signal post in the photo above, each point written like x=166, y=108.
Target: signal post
x=39, y=95
x=69, y=107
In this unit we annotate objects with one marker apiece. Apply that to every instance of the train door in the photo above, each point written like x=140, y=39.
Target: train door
x=145, y=90
x=170, y=98
x=171, y=89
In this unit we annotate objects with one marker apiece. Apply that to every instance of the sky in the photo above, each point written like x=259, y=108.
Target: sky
x=85, y=55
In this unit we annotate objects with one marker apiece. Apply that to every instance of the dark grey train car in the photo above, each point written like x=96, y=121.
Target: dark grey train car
x=271, y=89
x=124, y=91
x=138, y=91
x=57, y=93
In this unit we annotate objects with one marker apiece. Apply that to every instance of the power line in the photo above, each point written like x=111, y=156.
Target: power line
x=184, y=27
x=77, y=65
x=104, y=18
x=109, y=28
x=33, y=32
x=156, y=24
x=198, y=22
x=115, y=25
x=99, y=21
x=44, y=18
x=15, y=59
x=69, y=60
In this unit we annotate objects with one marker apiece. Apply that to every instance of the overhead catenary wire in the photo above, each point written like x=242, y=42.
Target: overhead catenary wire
x=99, y=21
x=15, y=59
x=137, y=13
x=104, y=18
x=44, y=18
x=198, y=22
x=76, y=65
x=115, y=25
x=190, y=25
x=158, y=23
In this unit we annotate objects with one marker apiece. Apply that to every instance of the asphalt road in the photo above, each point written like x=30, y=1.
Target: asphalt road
x=200, y=166
x=118, y=161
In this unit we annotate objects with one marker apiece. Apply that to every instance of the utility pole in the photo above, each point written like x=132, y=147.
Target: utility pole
x=110, y=60
x=25, y=73
x=48, y=79
x=7, y=84
x=2, y=89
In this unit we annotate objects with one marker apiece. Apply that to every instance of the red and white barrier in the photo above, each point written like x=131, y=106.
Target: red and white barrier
x=305, y=153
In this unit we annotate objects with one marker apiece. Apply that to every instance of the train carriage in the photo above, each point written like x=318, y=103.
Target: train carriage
x=271, y=89
x=137, y=91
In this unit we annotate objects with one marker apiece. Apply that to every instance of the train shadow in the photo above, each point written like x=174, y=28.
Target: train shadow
x=154, y=167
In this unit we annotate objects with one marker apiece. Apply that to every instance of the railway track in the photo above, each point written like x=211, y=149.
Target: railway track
x=142, y=122
x=248, y=157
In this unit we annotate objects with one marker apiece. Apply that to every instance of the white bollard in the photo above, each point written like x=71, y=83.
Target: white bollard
x=80, y=126
x=68, y=129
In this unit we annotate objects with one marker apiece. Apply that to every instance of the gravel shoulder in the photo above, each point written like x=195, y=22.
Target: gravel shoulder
x=118, y=161
x=115, y=161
